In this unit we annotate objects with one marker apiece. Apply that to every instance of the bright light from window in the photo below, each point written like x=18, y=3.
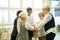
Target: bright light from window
x=15, y=3
x=5, y=16
x=26, y=3
x=3, y=3
x=54, y=3
x=37, y=4
x=0, y=16
x=12, y=15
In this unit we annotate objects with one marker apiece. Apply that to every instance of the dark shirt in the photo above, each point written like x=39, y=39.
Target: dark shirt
x=14, y=32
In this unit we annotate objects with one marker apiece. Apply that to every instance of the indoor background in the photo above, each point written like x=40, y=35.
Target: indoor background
x=8, y=9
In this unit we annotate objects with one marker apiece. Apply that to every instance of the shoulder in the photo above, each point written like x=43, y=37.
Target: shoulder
x=49, y=15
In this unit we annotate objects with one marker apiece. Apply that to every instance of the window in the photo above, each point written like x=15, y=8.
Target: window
x=3, y=3
x=12, y=15
x=54, y=3
x=0, y=16
x=37, y=4
x=9, y=8
x=55, y=11
x=26, y=3
x=14, y=3
x=5, y=16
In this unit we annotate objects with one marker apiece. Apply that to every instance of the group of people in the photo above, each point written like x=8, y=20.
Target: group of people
x=24, y=27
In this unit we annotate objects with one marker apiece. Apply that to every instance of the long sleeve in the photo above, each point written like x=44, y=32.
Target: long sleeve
x=40, y=25
x=28, y=23
x=18, y=25
x=28, y=26
x=47, y=18
x=51, y=30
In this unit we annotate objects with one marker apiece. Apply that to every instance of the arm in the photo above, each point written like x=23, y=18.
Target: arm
x=40, y=25
x=18, y=25
x=28, y=23
x=29, y=26
x=51, y=30
x=47, y=18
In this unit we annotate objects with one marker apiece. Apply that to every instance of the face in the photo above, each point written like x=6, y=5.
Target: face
x=41, y=17
x=45, y=10
x=30, y=12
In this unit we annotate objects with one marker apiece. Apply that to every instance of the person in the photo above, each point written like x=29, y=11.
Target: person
x=49, y=23
x=29, y=23
x=22, y=31
x=41, y=31
x=14, y=32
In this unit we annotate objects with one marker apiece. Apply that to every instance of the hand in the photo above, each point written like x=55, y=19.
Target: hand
x=33, y=24
x=36, y=29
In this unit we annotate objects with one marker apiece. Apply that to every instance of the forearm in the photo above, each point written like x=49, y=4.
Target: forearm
x=50, y=30
x=47, y=19
x=40, y=25
x=29, y=27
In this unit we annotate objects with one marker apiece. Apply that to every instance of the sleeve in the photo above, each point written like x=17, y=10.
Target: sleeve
x=51, y=30
x=18, y=25
x=40, y=25
x=47, y=18
x=28, y=26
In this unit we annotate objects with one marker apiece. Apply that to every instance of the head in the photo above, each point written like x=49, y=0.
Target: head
x=41, y=15
x=23, y=16
x=29, y=10
x=46, y=9
x=18, y=12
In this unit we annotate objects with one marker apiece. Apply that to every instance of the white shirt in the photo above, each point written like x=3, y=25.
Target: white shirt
x=47, y=18
x=41, y=31
x=29, y=22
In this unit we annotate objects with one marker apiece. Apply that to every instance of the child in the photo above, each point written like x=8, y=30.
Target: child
x=22, y=31
x=41, y=31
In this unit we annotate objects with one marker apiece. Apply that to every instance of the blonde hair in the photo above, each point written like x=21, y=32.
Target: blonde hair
x=47, y=7
x=41, y=13
x=22, y=15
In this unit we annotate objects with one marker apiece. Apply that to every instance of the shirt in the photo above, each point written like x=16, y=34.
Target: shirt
x=47, y=18
x=41, y=24
x=41, y=31
x=29, y=22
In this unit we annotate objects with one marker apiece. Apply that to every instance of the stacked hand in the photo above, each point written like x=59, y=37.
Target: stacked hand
x=35, y=26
